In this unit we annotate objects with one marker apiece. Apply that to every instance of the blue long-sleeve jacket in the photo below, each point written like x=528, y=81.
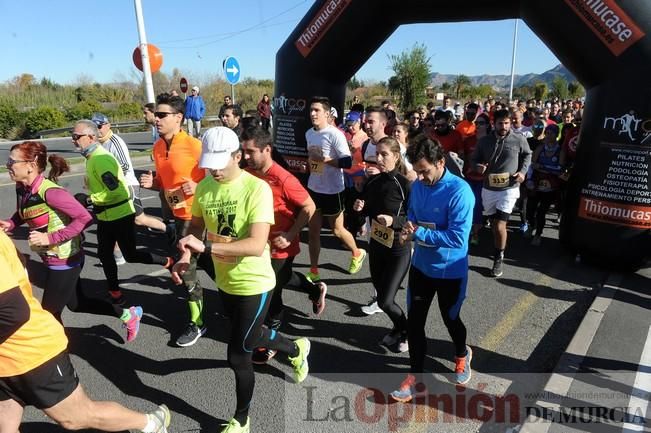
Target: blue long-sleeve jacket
x=194, y=108
x=441, y=251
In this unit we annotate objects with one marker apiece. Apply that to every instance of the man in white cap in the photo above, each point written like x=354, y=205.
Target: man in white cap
x=194, y=112
x=236, y=209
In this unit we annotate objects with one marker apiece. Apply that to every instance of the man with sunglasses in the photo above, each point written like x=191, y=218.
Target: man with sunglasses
x=110, y=198
x=176, y=158
x=467, y=126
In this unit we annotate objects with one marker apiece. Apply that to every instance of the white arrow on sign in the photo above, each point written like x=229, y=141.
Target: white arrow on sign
x=232, y=70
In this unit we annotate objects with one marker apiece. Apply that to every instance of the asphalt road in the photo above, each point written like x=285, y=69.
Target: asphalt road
x=518, y=326
x=137, y=141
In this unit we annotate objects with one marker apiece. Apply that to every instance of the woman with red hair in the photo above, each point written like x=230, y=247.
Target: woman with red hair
x=56, y=222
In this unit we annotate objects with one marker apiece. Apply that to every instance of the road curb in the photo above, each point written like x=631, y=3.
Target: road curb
x=570, y=361
x=77, y=166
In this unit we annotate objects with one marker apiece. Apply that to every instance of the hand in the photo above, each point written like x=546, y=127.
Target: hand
x=180, y=268
x=83, y=199
x=191, y=244
x=5, y=225
x=385, y=220
x=407, y=233
x=188, y=187
x=281, y=241
x=315, y=153
x=372, y=170
x=147, y=180
x=481, y=168
x=519, y=177
x=358, y=205
x=38, y=239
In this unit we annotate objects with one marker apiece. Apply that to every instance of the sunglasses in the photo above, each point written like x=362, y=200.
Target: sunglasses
x=162, y=114
x=76, y=137
x=11, y=162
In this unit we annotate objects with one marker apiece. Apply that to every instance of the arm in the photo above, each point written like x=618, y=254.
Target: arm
x=525, y=156
x=121, y=153
x=253, y=245
x=400, y=220
x=202, y=108
x=459, y=222
x=14, y=312
x=10, y=224
x=80, y=218
x=307, y=209
x=342, y=157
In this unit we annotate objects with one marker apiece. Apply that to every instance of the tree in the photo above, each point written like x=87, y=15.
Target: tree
x=459, y=84
x=540, y=90
x=575, y=90
x=411, y=76
x=353, y=83
x=559, y=87
x=445, y=87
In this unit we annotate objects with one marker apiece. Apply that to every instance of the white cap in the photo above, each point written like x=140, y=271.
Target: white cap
x=333, y=112
x=196, y=88
x=218, y=144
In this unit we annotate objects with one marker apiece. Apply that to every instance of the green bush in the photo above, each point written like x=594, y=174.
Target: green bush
x=83, y=110
x=41, y=118
x=9, y=118
x=127, y=111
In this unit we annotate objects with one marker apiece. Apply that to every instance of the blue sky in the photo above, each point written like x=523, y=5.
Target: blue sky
x=65, y=39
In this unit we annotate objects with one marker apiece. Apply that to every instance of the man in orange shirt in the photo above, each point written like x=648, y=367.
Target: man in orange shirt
x=35, y=368
x=176, y=157
x=449, y=138
x=467, y=126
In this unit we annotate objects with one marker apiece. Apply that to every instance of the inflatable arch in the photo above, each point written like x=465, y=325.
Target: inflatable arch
x=606, y=44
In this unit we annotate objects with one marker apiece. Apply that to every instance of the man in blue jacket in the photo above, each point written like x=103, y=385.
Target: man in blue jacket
x=438, y=221
x=194, y=112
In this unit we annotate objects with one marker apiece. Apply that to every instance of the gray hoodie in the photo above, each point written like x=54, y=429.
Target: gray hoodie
x=505, y=157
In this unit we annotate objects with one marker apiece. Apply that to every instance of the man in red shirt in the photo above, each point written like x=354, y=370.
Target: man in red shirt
x=449, y=138
x=467, y=126
x=293, y=208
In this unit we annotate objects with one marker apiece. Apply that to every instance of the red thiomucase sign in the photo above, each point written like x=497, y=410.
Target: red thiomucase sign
x=318, y=27
x=609, y=22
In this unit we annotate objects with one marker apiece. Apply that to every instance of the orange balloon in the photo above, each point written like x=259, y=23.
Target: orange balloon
x=155, y=58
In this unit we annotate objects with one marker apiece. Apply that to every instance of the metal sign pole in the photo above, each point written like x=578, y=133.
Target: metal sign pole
x=233, y=94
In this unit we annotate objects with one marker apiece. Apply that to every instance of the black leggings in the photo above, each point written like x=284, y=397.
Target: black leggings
x=421, y=294
x=388, y=268
x=63, y=288
x=122, y=231
x=246, y=315
x=537, y=207
x=286, y=277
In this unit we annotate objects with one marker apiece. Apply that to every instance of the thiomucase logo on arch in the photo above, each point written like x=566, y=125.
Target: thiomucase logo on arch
x=318, y=27
x=609, y=22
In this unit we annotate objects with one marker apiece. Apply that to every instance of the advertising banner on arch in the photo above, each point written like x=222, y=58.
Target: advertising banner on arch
x=619, y=191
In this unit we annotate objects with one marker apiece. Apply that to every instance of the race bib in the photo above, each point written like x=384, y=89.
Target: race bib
x=316, y=167
x=220, y=239
x=175, y=198
x=499, y=180
x=430, y=226
x=382, y=234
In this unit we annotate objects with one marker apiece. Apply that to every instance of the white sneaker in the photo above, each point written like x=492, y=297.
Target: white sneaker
x=371, y=308
x=403, y=345
x=119, y=259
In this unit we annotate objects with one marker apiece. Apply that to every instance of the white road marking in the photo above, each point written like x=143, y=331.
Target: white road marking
x=639, y=401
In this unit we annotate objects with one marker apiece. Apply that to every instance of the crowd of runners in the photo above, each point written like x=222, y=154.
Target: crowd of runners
x=420, y=189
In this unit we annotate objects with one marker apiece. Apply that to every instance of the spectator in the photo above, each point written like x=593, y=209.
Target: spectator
x=194, y=112
x=264, y=111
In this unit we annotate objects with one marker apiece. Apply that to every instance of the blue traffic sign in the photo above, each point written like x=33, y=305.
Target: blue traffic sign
x=232, y=70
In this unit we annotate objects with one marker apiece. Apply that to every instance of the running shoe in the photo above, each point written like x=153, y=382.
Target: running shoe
x=391, y=338
x=403, y=344
x=299, y=362
x=319, y=305
x=116, y=297
x=119, y=259
x=313, y=277
x=161, y=418
x=497, y=268
x=262, y=355
x=528, y=234
x=524, y=227
x=371, y=308
x=536, y=241
x=133, y=324
x=462, y=371
x=407, y=390
x=357, y=262
x=191, y=334
x=234, y=427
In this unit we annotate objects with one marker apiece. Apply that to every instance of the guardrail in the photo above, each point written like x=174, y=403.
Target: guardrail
x=115, y=126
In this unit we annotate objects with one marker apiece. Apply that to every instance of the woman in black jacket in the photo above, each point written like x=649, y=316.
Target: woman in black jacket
x=384, y=200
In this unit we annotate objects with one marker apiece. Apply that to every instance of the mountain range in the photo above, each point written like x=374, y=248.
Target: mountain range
x=503, y=81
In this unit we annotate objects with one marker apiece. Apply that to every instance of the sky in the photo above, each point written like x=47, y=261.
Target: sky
x=67, y=40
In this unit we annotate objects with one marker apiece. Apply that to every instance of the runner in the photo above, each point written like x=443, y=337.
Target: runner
x=35, y=367
x=236, y=208
x=384, y=200
x=328, y=153
x=439, y=221
x=176, y=155
x=503, y=158
x=293, y=208
x=113, y=207
x=56, y=221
